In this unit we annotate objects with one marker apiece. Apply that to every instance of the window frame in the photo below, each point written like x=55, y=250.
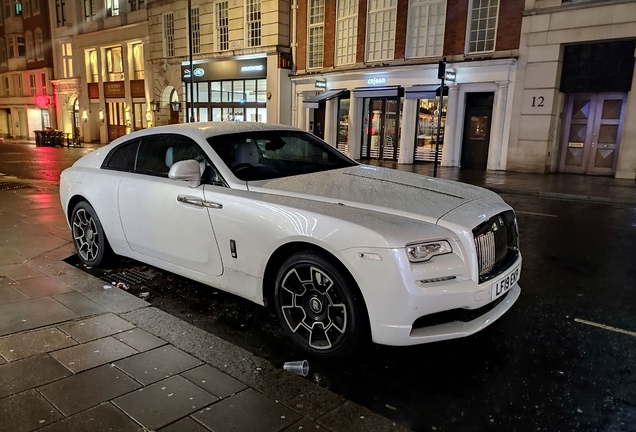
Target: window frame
x=38, y=38
x=167, y=31
x=136, y=5
x=112, y=8
x=35, y=10
x=195, y=29
x=222, y=45
x=250, y=38
x=317, y=49
x=33, y=84
x=391, y=53
x=92, y=16
x=66, y=51
x=351, y=17
x=467, y=43
x=30, y=46
x=60, y=13
x=408, y=54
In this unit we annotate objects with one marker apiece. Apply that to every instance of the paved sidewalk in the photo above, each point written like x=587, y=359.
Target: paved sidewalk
x=77, y=357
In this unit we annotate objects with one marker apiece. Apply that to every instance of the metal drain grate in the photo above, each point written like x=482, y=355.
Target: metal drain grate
x=129, y=277
x=5, y=186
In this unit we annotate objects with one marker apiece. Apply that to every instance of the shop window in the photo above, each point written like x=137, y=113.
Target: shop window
x=89, y=10
x=427, y=118
x=136, y=4
x=315, y=33
x=138, y=61
x=346, y=31
x=60, y=12
x=222, y=26
x=168, y=35
x=139, y=116
x=382, y=17
x=112, y=8
x=67, y=60
x=425, y=32
x=483, y=25
x=33, y=84
x=195, y=28
x=203, y=93
x=30, y=47
x=343, y=125
x=114, y=64
x=39, y=45
x=253, y=22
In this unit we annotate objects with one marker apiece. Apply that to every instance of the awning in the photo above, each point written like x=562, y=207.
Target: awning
x=314, y=101
x=425, y=92
x=367, y=92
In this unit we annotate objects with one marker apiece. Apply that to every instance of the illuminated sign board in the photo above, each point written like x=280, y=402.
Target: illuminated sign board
x=450, y=76
x=321, y=83
x=252, y=68
x=376, y=81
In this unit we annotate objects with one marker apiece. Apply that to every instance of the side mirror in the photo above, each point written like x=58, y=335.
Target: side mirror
x=189, y=170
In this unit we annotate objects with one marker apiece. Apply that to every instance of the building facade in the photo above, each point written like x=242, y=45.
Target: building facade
x=367, y=77
x=575, y=108
x=101, y=47
x=241, y=61
x=26, y=101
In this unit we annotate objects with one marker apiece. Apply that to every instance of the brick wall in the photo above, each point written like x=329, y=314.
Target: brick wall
x=330, y=34
x=456, y=18
x=362, y=31
x=509, y=25
x=301, y=31
x=400, y=29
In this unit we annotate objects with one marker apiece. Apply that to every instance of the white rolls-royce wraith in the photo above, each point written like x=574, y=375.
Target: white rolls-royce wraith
x=344, y=252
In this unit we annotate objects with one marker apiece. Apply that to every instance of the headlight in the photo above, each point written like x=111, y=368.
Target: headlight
x=418, y=252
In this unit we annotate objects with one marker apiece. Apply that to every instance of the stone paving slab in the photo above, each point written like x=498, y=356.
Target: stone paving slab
x=26, y=374
x=10, y=294
x=87, y=389
x=80, y=304
x=230, y=414
x=351, y=417
x=42, y=287
x=164, y=402
x=103, y=418
x=9, y=257
x=139, y=339
x=30, y=314
x=23, y=345
x=25, y=412
x=157, y=364
x=214, y=381
x=95, y=328
x=19, y=272
x=185, y=425
x=305, y=425
x=96, y=353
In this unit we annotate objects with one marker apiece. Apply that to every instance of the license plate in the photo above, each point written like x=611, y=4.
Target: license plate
x=503, y=285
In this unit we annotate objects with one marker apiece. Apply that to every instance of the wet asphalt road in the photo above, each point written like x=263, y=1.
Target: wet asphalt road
x=541, y=367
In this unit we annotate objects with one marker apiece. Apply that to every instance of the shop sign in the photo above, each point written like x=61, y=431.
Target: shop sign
x=114, y=89
x=450, y=76
x=42, y=101
x=137, y=88
x=321, y=83
x=376, y=81
x=227, y=69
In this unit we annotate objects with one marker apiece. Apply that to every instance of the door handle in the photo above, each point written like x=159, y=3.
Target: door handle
x=198, y=202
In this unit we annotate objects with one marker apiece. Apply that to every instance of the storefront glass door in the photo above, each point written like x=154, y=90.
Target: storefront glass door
x=381, y=128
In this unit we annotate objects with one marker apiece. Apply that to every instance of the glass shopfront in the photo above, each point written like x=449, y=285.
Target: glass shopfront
x=233, y=90
x=381, y=133
x=343, y=125
x=426, y=135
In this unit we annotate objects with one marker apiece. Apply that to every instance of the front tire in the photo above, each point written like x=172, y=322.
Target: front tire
x=89, y=239
x=319, y=306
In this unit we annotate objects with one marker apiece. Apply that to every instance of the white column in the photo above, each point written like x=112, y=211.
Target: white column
x=408, y=131
x=301, y=112
x=355, y=127
x=331, y=121
x=127, y=64
x=450, y=129
x=102, y=76
x=496, y=130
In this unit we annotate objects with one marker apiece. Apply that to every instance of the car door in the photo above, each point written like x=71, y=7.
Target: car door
x=160, y=217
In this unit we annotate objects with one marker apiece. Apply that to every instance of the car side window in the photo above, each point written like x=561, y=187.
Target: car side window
x=158, y=153
x=122, y=158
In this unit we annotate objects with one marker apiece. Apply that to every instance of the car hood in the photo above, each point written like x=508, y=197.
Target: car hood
x=379, y=189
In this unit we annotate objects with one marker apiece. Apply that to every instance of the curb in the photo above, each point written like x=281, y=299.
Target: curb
x=562, y=196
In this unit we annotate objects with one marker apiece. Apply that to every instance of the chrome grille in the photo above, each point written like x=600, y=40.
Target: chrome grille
x=497, y=244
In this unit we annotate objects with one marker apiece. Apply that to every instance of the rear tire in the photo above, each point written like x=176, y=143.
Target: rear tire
x=319, y=306
x=89, y=239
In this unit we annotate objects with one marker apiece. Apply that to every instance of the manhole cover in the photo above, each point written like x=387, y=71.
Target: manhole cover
x=129, y=277
x=5, y=186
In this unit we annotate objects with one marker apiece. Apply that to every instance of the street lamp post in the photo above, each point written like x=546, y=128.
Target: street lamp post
x=191, y=118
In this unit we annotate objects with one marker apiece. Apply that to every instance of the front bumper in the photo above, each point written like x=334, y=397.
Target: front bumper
x=395, y=301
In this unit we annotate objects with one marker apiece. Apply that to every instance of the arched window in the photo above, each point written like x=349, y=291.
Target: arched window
x=30, y=52
x=39, y=49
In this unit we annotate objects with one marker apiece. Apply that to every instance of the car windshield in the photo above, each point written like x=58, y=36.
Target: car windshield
x=267, y=155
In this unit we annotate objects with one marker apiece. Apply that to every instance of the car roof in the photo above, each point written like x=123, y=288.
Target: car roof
x=206, y=130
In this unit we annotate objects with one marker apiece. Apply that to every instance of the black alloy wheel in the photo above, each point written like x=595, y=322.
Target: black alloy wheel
x=319, y=307
x=88, y=236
